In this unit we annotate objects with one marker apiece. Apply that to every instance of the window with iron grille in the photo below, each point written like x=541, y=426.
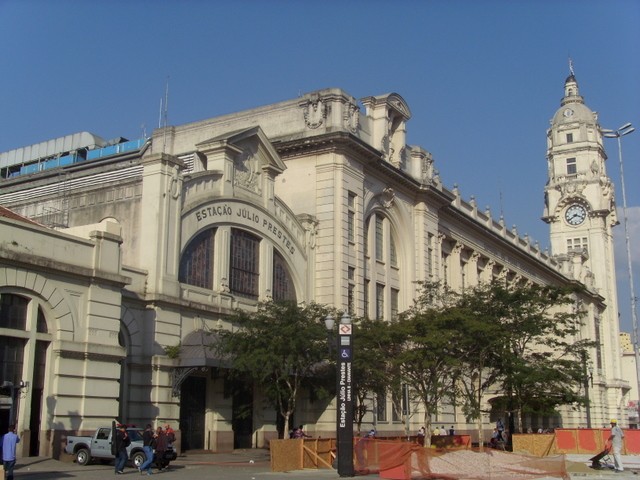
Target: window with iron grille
x=13, y=312
x=379, y=239
x=351, y=217
x=366, y=298
x=245, y=262
x=282, y=283
x=379, y=301
x=196, y=266
x=394, y=302
x=381, y=406
x=393, y=255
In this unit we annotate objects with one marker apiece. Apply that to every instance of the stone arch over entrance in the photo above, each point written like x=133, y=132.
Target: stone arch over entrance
x=36, y=284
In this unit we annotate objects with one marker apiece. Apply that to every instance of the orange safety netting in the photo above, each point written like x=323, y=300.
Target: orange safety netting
x=404, y=461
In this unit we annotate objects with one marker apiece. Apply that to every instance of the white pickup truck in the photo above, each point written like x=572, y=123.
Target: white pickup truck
x=98, y=446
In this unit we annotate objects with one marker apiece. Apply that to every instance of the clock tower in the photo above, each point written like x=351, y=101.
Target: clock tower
x=580, y=210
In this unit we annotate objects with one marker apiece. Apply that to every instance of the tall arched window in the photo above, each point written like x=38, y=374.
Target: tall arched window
x=383, y=265
x=23, y=356
x=13, y=316
x=196, y=266
x=283, y=288
x=245, y=264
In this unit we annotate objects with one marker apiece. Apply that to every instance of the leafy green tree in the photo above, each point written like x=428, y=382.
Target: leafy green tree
x=282, y=348
x=373, y=370
x=477, y=342
x=426, y=361
x=540, y=355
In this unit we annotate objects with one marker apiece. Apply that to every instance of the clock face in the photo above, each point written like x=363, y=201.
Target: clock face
x=568, y=112
x=575, y=214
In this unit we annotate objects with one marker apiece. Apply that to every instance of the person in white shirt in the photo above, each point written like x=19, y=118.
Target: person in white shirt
x=616, y=444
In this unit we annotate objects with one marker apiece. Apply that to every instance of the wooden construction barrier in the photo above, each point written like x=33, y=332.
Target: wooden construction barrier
x=319, y=453
x=299, y=453
x=537, y=445
x=573, y=440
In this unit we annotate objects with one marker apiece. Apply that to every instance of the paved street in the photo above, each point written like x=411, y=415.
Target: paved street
x=248, y=465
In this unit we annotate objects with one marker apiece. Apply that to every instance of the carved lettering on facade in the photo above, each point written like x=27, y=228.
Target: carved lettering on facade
x=247, y=214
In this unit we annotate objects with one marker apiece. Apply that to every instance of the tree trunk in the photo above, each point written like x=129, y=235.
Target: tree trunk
x=427, y=433
x=479, y=419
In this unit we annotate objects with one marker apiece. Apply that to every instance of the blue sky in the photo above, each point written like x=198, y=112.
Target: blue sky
x=482, y=78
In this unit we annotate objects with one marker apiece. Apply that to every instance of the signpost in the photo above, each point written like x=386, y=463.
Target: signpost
x=344, y=394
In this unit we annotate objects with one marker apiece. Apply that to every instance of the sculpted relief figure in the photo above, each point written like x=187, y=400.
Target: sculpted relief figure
x=315, y=112
x=247, y=170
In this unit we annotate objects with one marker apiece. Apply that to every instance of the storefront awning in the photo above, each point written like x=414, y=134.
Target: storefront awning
x=198, y=350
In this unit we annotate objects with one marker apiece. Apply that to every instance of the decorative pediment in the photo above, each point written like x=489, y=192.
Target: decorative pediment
x=392, y=103
x=250, y=153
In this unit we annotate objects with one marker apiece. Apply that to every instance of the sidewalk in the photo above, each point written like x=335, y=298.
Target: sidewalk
x=254, y=465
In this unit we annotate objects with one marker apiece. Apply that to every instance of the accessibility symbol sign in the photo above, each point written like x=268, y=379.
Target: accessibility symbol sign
x=345, y=353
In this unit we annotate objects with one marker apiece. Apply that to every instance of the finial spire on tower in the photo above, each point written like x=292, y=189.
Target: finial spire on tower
x=571, y=67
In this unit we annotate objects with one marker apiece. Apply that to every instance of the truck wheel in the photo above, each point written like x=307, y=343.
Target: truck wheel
x=138, y=459
x=83, y=456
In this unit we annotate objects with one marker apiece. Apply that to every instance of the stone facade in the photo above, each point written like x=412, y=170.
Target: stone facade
x=149, y=250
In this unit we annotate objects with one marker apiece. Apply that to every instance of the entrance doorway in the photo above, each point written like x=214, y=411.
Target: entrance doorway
x=242, y=414
x=193, y=395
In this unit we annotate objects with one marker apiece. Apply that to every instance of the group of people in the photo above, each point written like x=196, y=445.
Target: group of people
x=438, y=431
x=155, y=444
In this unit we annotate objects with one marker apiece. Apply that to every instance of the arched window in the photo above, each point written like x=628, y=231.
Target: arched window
x=382, y=296
x=282, y=283
x=23, y=358
x=196, y=266
x=245, y=264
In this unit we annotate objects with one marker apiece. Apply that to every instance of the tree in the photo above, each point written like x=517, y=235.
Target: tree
x=521, y=339
x=426, y=361
x=373, y=370
x=477, y=343
x=282, y=347
x=540, y=359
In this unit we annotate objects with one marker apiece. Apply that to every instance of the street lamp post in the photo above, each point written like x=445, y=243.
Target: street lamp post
x=588, y=382
x=344, y=394
x=626, y=129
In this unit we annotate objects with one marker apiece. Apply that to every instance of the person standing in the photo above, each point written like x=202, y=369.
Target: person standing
x=161, y=448
x=122, y=442
x=148, y=443
x=9, y=442
x=616, y=445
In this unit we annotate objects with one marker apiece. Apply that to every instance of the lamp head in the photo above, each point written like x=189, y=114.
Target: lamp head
x=329, y=322
x=346, y=319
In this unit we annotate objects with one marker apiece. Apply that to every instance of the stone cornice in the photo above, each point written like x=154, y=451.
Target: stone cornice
x=50, y=265
x=88, y=351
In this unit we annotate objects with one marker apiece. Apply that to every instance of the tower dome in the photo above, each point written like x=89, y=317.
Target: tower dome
x=572, y=108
